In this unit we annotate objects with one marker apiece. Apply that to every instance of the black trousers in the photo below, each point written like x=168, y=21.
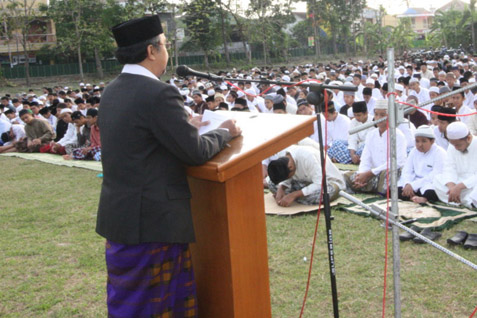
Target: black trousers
x=430, y=195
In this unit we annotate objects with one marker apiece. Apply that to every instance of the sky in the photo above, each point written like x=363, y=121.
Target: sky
x=397, y=6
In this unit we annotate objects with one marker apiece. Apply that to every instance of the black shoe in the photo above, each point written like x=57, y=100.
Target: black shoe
x=429, y=234
x=471, y=242
x=406, y=236
x=458, y=239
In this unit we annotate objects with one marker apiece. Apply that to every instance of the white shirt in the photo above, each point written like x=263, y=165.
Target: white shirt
x=355, y=140
x=370, y=106
x=408, y=129
x=462, y=111
x=70, y=136
x=375, y=151
x=440, y=138
x=19, y=133
x=337, y=129
x=4, y=125
x=138, y=70
x=420, y=168
x=308, y=169
x=461, y=167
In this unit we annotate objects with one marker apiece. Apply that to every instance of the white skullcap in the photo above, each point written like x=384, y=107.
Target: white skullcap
x=374, y=75
x=471, y=80
x=223, y=87
x=434, y=89
x=250, y=91
x=184, y=91
x=210, y=92
x=399, y=87
x=240, y=94
x=441, y=73
x=370, y=81
x=81, y=84
x=401, y=67
x=413, y=80
x=457, y=130
x=381, y=104
x=66, y=110
x=425, y=131
x=286, y=78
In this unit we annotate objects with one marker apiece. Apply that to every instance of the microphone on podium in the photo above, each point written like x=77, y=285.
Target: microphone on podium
x=183, y=71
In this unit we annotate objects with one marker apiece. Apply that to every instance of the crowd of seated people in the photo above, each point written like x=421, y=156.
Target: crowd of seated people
x=434, y=142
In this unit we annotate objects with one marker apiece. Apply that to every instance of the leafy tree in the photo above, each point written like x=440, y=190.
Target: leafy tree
x=20, y=17
x=268, y=20
x=83, y=26
x=451, y=28
x=201, y=23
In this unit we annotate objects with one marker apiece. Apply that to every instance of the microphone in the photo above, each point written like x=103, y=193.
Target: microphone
x=184, y=70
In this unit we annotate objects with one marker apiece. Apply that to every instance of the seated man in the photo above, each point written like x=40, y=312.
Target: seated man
x=458, y=179
x=91, y=148
x=296, y=176
x=337, y=127
x=69, y=140
x=424, y=162
x=352, y=149
x=38, y=133
x=371, y=174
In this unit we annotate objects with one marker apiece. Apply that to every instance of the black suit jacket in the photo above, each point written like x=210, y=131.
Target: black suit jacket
x=146, y=141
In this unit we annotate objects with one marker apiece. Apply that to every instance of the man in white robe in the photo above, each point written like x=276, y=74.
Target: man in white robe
x=459, y=177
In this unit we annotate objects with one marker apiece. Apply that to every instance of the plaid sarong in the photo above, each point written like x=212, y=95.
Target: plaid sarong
x=340, y=153
x=90, y=155
x=150, y=280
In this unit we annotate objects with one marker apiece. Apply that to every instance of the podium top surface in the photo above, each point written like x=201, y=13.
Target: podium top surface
x=262, y=136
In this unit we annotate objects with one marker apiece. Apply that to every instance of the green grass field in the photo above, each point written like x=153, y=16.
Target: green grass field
x=52, y=261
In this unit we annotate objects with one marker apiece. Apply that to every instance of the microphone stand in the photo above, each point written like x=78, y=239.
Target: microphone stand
x=314, y=97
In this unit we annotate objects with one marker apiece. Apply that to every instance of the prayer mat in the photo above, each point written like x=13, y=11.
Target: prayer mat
x=437, y=216
x=272, y=208
x=346, y=167
x=57, y=160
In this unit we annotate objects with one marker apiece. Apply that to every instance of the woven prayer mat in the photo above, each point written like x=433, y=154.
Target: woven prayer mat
x=436, y=216
x=272, y=208
x=57, y=160
x=346, y=167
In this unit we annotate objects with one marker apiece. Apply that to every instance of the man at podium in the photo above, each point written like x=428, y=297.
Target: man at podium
x=144, y=209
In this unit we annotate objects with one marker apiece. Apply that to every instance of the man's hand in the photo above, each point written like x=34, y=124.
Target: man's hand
x=280, y=194
x=36, y=141
x=455, y=191
x=197, y=122
x=408, y=191
x=85, y=150
x=362, y=178
x=355, y=158
x=231, y=125
x=288, y=199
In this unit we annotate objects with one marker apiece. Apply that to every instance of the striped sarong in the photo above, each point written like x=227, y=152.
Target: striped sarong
x=150, y=280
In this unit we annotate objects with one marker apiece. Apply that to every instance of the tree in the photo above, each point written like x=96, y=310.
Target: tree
x=83, y=27
x=451, y=28
x=268, y=20
x=21, y=16
x=240, y=22
x=202, y=27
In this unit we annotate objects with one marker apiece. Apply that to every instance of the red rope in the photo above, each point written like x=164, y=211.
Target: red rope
x=318, y=216
x=475, y=311
x=428, y=110
x=388, y=156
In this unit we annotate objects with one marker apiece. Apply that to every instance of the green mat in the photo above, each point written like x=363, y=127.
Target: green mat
x=345, y=167
x=57, y=160
x=434, y=216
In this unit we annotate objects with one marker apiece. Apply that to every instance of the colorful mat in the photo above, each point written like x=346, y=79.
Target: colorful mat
x=434, y=216
x=57, y=160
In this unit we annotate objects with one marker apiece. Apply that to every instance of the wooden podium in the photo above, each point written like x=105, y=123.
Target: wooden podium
x=230, y=256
